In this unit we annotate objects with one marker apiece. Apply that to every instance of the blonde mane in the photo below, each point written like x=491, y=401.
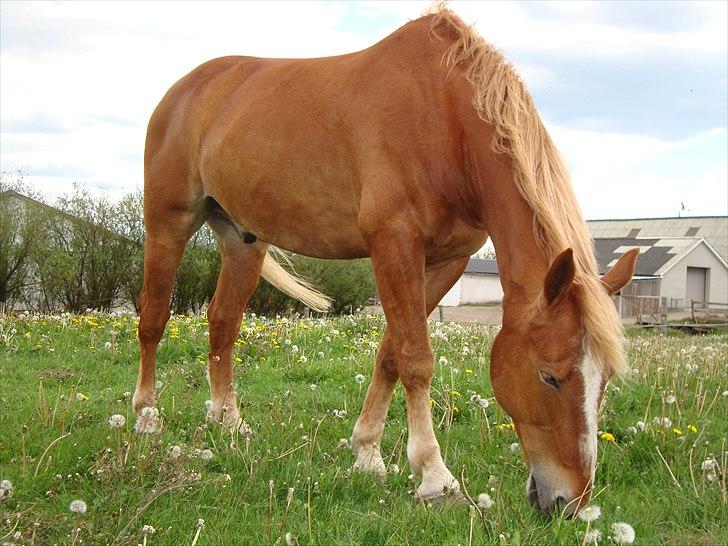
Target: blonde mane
x=501, y=100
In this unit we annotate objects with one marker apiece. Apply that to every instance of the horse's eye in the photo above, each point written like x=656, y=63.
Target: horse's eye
x=549, y=379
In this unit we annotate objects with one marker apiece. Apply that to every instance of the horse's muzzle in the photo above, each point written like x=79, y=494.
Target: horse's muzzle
x=543, y=498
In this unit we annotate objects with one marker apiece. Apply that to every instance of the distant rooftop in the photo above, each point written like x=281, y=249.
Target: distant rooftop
x=713, y=229
x=656, y=256
x=482, y=267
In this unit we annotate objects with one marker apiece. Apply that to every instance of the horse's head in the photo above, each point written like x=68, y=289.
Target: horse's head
x=545, y=379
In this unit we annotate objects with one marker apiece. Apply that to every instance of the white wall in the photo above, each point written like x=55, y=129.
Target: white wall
x=674, y=282
x=452, y=298
x=480, y=289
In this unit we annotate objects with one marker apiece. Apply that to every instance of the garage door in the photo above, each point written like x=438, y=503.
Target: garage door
x=695, y=285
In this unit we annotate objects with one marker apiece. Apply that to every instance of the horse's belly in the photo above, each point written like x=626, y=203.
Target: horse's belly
x=305, y=218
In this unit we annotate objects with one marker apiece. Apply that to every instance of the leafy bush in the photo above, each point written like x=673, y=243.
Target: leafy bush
x=88, y=252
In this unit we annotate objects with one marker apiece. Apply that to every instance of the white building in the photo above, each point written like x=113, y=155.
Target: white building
x=671, y=272
x=479, y=284
x=682, y=260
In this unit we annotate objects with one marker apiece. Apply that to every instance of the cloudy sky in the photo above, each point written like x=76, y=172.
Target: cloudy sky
x=633, y=93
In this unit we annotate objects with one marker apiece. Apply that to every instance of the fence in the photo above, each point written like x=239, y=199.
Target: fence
x=637, y=306
x=708, y=310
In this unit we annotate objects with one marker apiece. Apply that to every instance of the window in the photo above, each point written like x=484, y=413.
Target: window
x=692, y=232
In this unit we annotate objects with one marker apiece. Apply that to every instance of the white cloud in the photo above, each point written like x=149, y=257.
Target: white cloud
x=623, y=175
x=80, y=80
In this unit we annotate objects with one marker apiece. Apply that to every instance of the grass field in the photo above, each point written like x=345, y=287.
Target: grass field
x=662, y=465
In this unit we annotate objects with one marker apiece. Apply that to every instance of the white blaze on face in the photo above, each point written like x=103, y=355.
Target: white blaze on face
x=592, y=379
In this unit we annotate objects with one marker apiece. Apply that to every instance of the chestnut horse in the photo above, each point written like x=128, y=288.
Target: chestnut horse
x=413, y=151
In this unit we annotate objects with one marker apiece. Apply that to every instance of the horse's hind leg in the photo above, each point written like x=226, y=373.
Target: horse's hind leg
x=367, y=434
x=168, y=230
x=239, y=276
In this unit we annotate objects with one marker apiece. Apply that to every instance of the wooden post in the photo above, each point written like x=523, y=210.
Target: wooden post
x=442, y=316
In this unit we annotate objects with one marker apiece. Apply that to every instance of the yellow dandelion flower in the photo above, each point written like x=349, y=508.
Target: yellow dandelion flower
x=432, y=403
x=677, y=431
x=455, y=393
x=692, y=428
x=607, y=436
x=455, y=409
x=468, y=371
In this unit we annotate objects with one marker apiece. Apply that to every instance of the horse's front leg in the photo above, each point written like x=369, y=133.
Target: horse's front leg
x=367, y=435
x=399, y=269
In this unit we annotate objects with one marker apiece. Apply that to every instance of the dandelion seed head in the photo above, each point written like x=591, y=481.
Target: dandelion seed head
x=206, y=455
x=514, y=447
x=291, y=539
x=6, y=485
x=708, y=464
x=78, y=506
x=670, y=399
x=393, y=469
x=117, y=421
x=664, y=422
x=590, y=513
x=359, y=378
x=175, y=452
x=593, y=536
x=200, y=524
x=148, y=530
x=485, y=501
x=622, y=533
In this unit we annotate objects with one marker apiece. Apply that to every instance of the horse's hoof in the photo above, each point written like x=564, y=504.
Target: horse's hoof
x=148, y=421
x=448, y=493
x=238, y=427
x=373, y=467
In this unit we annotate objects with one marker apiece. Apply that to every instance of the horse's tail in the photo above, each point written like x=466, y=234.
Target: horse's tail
x=297, y=288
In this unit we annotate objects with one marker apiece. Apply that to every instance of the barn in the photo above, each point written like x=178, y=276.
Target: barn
x=479, y=284
x=681, y=261
x=671, y=274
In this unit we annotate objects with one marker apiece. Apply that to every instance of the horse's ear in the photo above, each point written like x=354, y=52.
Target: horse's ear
x=559, y=278
x=622, y=272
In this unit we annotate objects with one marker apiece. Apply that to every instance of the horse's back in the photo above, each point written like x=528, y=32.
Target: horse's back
x=285, y=145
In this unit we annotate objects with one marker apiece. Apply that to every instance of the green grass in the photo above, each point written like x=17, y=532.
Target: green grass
x=56, y=448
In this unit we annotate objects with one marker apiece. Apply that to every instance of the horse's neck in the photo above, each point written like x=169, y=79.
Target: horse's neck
x=510, y=223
